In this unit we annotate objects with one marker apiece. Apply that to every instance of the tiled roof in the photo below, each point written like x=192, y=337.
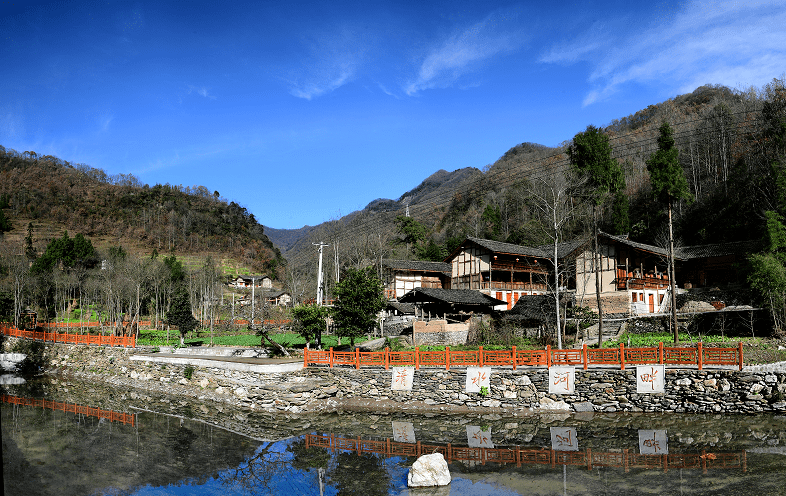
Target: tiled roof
x=640, y=246
x=563, y=249
x=417, y=265
x=509, y=248
x=719, y=249
x=458, y=296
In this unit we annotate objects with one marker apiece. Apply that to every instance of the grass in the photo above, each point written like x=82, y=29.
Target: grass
x=652, y=339
x=153, y=337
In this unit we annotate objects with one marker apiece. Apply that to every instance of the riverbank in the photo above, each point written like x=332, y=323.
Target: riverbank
x=270, y=385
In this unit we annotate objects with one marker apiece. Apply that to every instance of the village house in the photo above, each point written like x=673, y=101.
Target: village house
x=503, y=271
x=402, y=276
x=244, y=281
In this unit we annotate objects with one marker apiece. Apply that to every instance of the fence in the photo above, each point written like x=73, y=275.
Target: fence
x=149, y=323
x=587, y=458
x=112, y=416
x=56, y=337
x=585, y=357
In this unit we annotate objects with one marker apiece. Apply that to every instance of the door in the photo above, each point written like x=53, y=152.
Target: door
x=652, y=303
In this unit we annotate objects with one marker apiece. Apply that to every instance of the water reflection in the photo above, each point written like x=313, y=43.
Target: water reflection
x=72, y=438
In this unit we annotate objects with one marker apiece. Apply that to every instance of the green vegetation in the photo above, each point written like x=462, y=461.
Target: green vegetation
x=359, y=298
x=251, y=340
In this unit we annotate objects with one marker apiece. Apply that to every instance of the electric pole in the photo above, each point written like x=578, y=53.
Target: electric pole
x=320, y=282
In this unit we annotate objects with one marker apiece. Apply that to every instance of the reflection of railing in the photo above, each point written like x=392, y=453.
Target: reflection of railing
x=57, y=337
x=112, y=416
x=585, y=357
x=587, y=458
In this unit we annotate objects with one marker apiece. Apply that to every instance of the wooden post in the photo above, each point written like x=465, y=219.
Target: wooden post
x=514, y=358
x=480, y=355
x=447, y=357
x=584, y=355
x=387, y=359
x=699, y=357
x=357, y=358
x=625, y=460
x=589, y=459
x=417, y=358
x=305, y=358
x=548, y=355
x=740, y=352
x=331, y=357
x=622, y=355
x=660, y=351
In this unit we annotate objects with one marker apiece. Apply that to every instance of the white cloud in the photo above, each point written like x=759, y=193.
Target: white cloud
x=333, y=60
x=201, y=91
x=462, y=52
x=729, y=43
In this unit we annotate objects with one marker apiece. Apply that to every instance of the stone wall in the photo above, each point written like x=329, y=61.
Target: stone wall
x=439, y=332
x=599, y=390
x=315, y=389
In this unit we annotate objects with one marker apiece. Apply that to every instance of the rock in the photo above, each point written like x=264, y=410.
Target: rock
x=584, y=406
x=549, y=404
x=523, y=380
x=373, y=345
x=428, y=471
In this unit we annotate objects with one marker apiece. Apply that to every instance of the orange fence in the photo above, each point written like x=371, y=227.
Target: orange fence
x=149, y=323
x=591, y=459
x=56, y=337
x=112, y=416
x=585, y=357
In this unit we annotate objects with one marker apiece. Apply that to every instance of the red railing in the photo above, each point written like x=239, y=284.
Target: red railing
x=112, y=416
x=56, y=337
x=585, y=357
x=538, y=456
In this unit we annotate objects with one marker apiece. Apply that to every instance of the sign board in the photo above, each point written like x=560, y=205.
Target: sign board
x=477, y=377
x=403, y=432
x=562, y=380
x=650, y=378
x=653, y=442
x=564, y=439
x=478, y=438
x=402, y=378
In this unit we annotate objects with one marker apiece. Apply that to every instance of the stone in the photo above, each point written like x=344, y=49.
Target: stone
x=511, y=395
x=549, y=404
x=523, y=380
x=429, y=471
x=683, y=382
x=373, y=345
x=584, y=406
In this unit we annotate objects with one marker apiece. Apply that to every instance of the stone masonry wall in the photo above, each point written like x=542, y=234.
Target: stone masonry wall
x=526, y=389
x=439, y=332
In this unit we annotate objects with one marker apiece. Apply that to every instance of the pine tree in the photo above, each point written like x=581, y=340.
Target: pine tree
x=669, y=185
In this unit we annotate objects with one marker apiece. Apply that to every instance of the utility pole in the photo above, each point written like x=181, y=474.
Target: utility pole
x=320, y=282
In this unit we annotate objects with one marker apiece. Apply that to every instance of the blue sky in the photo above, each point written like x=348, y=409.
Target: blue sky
x=306, y=111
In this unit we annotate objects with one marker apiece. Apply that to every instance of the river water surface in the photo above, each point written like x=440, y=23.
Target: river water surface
x=71, y=438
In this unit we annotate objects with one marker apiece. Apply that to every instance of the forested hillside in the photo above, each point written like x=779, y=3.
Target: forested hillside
x=731, y=142
x=55, y=195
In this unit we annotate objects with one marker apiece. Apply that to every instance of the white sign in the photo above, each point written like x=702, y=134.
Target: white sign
x=477, y=377
x=402, y=377
x=650, y=378
x=652, y=442
x=562, y=380
x=477, y=438
x=564, y=439
x=403, y=432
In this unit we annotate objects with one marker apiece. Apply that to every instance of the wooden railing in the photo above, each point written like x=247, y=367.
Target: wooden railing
x=587, y=458
x=112, y=416
x=56, y=337
x=585, y=357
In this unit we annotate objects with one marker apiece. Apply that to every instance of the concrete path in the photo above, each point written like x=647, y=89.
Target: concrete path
x=239, y=363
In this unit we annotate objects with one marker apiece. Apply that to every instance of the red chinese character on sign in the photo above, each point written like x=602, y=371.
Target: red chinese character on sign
x=401, y=377
x=562, y=377
x=652, y=443
x=480, y=437
x=481, y=377
x=565, y=440
x=650, y=378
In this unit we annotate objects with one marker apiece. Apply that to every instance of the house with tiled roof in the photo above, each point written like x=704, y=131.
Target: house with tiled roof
x=402, y=276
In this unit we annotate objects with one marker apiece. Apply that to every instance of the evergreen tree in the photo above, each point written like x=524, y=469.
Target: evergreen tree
x=668, y=185
x=180, y=314
x=359, y=298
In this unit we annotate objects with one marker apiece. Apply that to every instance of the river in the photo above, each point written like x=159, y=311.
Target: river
x=70, y=438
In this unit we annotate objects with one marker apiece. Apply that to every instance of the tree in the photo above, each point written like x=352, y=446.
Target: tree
x=179, y=314
x=310, y=321
x=359, y=298
x=668, y=186
x=590, y=156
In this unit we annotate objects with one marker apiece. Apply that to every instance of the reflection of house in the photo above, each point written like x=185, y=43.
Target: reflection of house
x=502, y=270
x=249, y=281
x=400, y=276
